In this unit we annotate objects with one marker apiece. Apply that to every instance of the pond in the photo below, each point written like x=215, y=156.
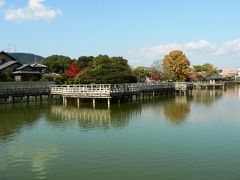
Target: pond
x=174, y=137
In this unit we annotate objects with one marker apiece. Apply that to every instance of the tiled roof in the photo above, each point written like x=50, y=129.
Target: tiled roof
x=23, y=66
x=26, y=72
x=8, y=55
x=215, y=76
x=9, y=63
x=38, y=65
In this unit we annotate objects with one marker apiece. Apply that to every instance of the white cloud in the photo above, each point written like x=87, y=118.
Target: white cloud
x=199, y=45
x=163, y=49
x=229, y=48
x=198, y=52
x=154, y=51
x=2, y=2
x=33, y=11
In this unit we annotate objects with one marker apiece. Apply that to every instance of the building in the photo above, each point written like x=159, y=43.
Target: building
x=214, y=79
x=11, y=68
x=231, y=72
x=26, y=73
x=7, y=65
x=39, y=67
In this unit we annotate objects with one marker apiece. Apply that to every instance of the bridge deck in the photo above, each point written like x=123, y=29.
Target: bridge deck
x=109, y=90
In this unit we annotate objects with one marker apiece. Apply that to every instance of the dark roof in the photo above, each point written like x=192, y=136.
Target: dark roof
x=23, y=66
x=26, y=72
x=38, y=65
x=8, y=55
x=7, y=64
x=215, y=77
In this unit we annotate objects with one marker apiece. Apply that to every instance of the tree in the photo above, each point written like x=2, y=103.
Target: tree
x=104, y=69
x=206, y=69
x=176, y=66
x=155, y=75
x=72, y=71
x=157, y=65
x=8, y=75
x=142, y=73
x=196, y=76
x=209, y=69
x=84, y=61
x=57, y=63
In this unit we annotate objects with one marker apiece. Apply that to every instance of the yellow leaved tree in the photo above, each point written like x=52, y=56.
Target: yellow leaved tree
x=176, y=66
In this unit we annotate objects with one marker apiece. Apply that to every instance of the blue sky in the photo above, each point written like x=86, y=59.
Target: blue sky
x=140, y=30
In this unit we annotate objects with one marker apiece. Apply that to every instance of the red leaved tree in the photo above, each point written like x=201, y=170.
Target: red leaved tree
x=72, y=71
x=155, y=77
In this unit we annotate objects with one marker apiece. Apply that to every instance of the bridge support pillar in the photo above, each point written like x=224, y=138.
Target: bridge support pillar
x=78, y=102
x=109, y=102
x=130, y=99
x=185, y=93
x=94, y=103
x=64, y=101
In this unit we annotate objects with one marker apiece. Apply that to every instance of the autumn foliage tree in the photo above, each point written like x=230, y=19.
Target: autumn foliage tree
x=72, y=71
x=176, y=66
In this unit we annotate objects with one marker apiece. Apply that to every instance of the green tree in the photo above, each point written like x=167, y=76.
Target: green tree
x=103, y=69
x=197, y=68
x=8, y=75
x=57, y=63
x=176, y=66
x=142, y=73
x=84, y=61
x=206, y=69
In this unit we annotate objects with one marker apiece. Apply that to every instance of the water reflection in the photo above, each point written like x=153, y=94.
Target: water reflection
x=13, y=117
x=233, y=91
x=36, y=156
x=88, y=118
x=177, y=110
x=207, y=97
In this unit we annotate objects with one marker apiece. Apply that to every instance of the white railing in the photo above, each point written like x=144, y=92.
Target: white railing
x=183, y=86
x=208, y=83
x=102, y=90
x=106, y=90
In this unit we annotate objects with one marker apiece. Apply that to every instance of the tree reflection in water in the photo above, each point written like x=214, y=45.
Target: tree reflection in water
x=176, y=110
x=14, y=117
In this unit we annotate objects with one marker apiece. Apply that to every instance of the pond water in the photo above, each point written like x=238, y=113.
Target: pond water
x=178, y=137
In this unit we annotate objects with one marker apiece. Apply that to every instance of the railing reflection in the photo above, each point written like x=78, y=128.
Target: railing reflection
x=207, y=97
x=89, y=118
x=176, y=109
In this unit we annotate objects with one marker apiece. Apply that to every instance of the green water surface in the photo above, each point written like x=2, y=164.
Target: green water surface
x=180, y=138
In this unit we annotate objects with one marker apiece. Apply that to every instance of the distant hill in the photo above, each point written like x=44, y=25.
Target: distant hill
x=27, y=58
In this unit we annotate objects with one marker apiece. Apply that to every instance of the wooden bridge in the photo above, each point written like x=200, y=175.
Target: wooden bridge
x=117, y=91
x=207, y=85
x=24, y=89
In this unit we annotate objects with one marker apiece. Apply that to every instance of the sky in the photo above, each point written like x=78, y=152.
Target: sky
x=142, y=31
